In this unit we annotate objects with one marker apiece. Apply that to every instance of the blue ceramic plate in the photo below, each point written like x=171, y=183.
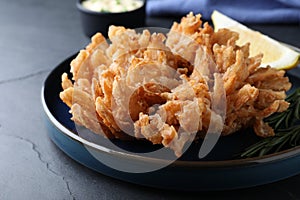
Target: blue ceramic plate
x=220, y=170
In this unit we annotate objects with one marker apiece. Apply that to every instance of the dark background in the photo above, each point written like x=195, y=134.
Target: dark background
x=35, y=36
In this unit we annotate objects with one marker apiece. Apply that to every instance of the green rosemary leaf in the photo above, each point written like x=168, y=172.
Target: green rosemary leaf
x=254, y=149
x=295, y=138
x=265, y=150
x=289, y=136
x=287, y=130
x=281, y=145
x=288, y=120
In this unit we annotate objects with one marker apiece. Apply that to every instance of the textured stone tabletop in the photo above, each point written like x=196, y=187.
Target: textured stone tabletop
x=35, y=36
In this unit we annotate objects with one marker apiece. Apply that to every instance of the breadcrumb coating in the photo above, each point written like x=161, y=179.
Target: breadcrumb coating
x=169, y=88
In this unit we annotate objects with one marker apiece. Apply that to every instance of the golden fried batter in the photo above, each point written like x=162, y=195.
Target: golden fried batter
x=167, y=89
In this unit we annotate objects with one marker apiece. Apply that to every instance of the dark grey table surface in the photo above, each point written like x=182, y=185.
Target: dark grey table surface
x=35, y=36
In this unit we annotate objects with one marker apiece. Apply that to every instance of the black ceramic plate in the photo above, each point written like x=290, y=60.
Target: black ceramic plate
x=220, y=170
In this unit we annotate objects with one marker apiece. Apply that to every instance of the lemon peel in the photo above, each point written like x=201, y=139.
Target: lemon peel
x=276, y=54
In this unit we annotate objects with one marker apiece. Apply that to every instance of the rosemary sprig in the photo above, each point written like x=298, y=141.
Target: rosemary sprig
x=287, y=132
x=290, y=116
x=284, y=137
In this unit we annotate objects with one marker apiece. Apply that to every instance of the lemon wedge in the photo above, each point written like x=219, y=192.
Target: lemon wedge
x=276, y=54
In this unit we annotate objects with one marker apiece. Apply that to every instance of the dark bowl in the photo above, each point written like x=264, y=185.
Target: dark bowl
x=93, y=22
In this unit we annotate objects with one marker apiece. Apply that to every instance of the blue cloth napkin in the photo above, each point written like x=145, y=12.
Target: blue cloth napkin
x=247, y=11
